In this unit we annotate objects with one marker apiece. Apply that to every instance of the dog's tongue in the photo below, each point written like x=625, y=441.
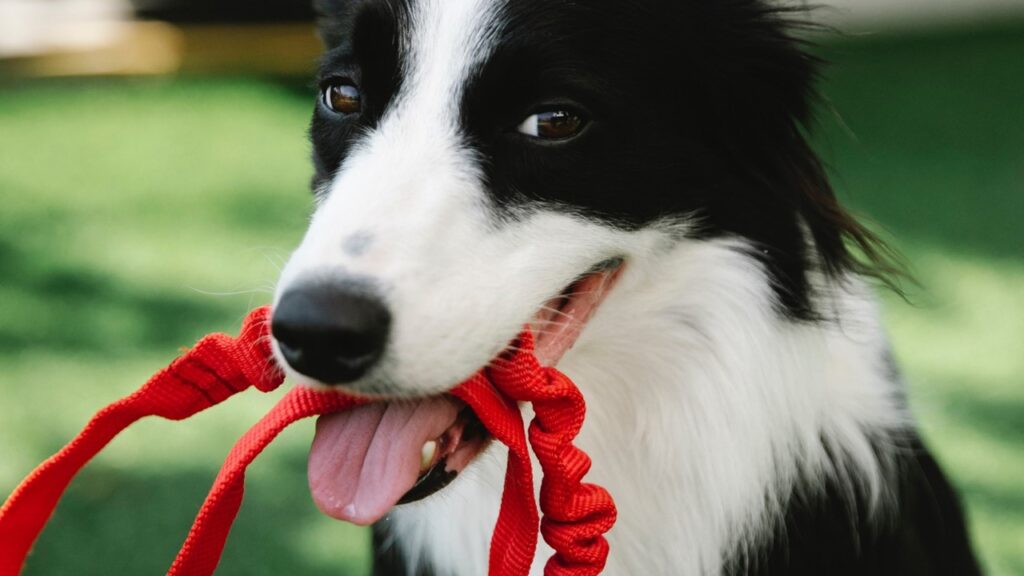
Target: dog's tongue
x=363, y=461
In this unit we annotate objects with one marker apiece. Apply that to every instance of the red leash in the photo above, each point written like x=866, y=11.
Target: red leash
x=576, y=515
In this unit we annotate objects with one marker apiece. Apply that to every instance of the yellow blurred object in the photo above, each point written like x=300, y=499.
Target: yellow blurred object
x=134, y=48
x=157, y=48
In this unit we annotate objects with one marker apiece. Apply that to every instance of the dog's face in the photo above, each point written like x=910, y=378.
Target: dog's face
x=482, y=165
x=474, y=158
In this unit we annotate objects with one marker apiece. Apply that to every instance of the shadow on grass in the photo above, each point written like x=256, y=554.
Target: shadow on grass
x=1006, y=508
x=61, y=306
x=925, y=132
x=1002, y=418
x=118, y=522
x=984, y=496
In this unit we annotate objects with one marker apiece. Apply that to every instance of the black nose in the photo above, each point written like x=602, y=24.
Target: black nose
x=331, y=333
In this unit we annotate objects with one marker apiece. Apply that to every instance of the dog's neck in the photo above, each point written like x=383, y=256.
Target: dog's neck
x=705, y=408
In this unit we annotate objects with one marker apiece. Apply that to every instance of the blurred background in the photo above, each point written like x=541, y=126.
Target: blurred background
x=153, y=178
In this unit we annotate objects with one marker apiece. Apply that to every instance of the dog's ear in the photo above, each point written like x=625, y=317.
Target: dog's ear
x=760, y=76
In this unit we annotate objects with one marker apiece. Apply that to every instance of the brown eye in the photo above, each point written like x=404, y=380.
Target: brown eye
x=553, y=125
x=343, y=97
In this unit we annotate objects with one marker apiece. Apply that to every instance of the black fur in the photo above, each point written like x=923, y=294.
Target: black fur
x=363, y=39
x=696, y=107
x=387, y=556
x=827, y=532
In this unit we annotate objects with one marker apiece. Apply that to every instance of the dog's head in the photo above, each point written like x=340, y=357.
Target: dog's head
x=486, y=164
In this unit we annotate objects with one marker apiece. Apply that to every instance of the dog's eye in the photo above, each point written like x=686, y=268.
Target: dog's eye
x=342, y=96
x=553, y=124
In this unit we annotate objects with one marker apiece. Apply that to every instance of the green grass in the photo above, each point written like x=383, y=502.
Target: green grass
x=925, y=135
x=139, y=215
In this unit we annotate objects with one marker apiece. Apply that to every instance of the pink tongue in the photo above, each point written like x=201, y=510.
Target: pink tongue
x=363, y=461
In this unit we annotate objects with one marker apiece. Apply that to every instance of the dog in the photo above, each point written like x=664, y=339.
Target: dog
x=631, y=179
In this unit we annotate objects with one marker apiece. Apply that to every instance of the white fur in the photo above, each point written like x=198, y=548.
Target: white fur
x=414, y=190
x=704, y=405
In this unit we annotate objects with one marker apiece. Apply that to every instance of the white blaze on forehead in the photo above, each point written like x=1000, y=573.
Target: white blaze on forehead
x=449, y=41
x=417, y=145
x=446, y=43
x=416, y=189
x=412, y=172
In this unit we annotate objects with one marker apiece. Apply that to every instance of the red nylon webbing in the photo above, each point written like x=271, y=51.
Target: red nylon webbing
x=216, y=369
x=205, y=543
x=576, y=515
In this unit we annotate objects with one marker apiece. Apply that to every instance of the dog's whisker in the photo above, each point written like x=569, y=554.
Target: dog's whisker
x=261, y=290
x=722, y=394
x=554, y=310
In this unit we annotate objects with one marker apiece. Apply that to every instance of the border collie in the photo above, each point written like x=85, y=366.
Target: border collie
x=632, y=179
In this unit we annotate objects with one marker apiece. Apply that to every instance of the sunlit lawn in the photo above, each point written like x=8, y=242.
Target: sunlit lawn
x=926, y=135
x=137, y=216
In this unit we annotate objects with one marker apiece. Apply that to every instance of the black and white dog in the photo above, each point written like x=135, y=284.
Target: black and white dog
x=632, y=179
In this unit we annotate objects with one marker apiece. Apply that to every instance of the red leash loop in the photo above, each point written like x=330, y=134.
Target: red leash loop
x=576, y=514
x=216, y=369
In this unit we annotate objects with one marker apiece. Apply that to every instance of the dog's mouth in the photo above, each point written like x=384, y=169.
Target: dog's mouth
x=366, y=461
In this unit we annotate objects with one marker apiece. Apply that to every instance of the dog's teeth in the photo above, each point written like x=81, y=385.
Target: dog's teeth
x=427, y=455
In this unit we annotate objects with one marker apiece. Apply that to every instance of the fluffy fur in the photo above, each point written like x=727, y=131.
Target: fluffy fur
x=743, y=407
